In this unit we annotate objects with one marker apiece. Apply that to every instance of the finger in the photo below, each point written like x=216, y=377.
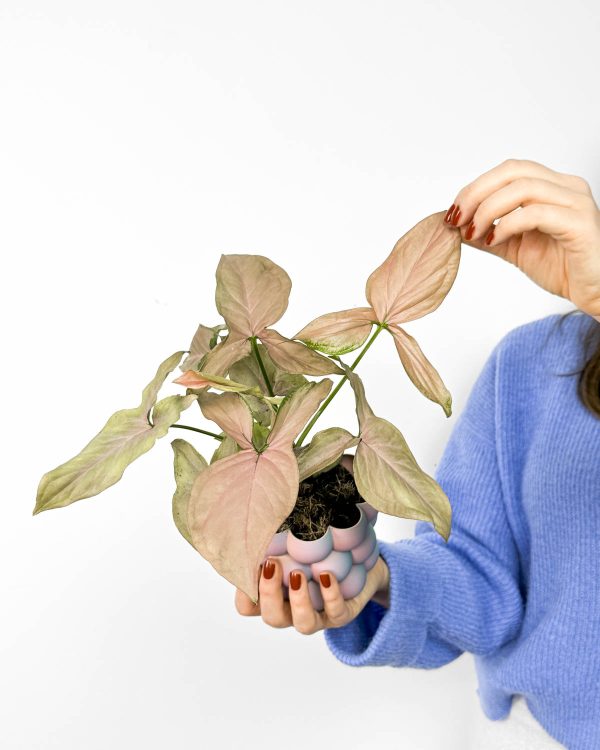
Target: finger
x=306, y=620
x=556, y=221
x=273, y=609
x=336, y=608
x=339, y=611
x=522, y=192
x=472, y=195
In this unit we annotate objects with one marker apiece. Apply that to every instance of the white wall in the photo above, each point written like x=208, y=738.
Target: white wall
x=138, y=141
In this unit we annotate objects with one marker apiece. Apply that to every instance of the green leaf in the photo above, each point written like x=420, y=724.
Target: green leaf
x=126, y=436
x=187, y=464
x=324, y=451
x=261, y=409
x=227, y=447
x=260, y=433
x=247, y=371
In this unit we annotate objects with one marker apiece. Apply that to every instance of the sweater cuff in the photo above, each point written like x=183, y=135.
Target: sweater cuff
x=394, y=636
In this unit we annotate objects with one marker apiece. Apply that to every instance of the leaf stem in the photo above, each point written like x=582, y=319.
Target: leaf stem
x=310, y=425
x=261, y=365
x=197, y=429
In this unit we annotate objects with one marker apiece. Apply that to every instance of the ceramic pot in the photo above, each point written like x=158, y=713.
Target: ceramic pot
x=346, y=539
x=310, y=551
x=278, y=544
x=349, y=554
x=369, y=510
x=362, y=551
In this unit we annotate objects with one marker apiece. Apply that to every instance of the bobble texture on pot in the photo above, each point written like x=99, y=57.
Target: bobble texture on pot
x=348, y=554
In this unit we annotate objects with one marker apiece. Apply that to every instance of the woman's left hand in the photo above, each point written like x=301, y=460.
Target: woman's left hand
x=549, y=227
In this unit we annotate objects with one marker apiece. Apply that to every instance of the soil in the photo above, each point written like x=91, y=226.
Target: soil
x=325, y=499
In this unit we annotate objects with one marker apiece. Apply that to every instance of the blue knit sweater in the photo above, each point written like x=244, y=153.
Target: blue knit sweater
x=518, y=582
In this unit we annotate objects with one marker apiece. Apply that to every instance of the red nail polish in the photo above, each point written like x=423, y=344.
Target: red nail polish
x=490, y=237
x=295, y=580
x=449, y=212
x=470, y=231
x=456, y=216
x=268, y=569
x=325, y=580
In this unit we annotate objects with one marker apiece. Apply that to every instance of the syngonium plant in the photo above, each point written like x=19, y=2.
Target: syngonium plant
x=229, y=509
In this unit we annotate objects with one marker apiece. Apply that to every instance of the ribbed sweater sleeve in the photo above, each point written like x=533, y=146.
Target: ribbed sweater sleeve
x=455, y=596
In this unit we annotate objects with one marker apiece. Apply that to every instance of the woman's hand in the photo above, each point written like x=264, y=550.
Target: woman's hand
x=299, y=612
x=549, y=227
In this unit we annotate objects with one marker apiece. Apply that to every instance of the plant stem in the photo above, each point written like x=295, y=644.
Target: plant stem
x=325, y=403
x=261, y=365
x=197, y=429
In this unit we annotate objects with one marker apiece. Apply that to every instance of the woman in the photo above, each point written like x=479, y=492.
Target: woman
x=518, y=582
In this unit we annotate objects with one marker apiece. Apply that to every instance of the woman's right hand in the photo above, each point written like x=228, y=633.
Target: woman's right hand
x=553, y=237
x=299, y=612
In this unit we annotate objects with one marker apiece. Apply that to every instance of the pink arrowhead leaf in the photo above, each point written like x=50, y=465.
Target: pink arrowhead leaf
x=196, y=379
x=239, y=502
x=323, y=451
x=418, y=273
x=294, y=357
x=236, y=506
x=231, y=414
x=387, y=474
x=252, y=292
x=200, y=346
x=295, y=411
x=338, y=332
x=187, y=464
x=225, y=354
x=420, y=370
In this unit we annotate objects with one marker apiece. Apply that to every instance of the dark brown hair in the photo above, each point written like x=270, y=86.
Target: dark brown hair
x=588, y=387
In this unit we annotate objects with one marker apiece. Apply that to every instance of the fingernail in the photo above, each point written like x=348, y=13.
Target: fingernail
x=295, y=580
x=268, y=569
x=449, y=213
x=490, y=237
x=456, y=216
x=325, y=580
x=470, y=231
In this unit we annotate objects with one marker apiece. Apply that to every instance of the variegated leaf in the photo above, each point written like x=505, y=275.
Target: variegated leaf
x=227, y=447
x=387, y=475
x=338, y=332
x=231, y=414
x=261, y=409
x=295, y=411
x=252, y=292
x=236, y=506
x=295, y=357
x=204, y=340
x=126, y=436
x=195, y=379
x=219, y=360
x=420, y=370
x=187, y=464
x=324, y=451
x=418, y=273
x=247, y=370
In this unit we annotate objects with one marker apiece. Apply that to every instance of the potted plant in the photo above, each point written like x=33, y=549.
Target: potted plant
x=263, y=491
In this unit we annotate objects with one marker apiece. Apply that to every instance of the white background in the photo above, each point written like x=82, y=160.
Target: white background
x=138, y=142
